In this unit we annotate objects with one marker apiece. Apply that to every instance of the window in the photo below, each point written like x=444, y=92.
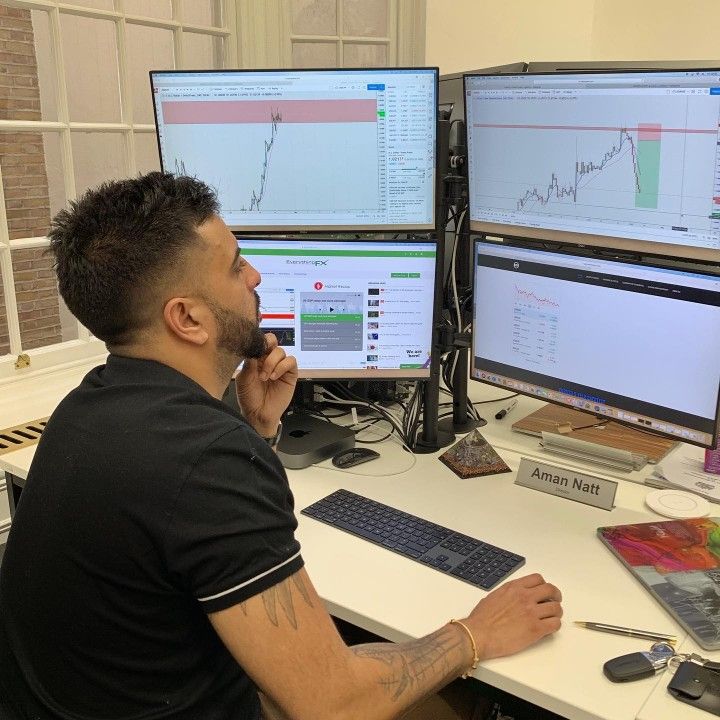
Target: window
x=75, y=109
x=351, y=33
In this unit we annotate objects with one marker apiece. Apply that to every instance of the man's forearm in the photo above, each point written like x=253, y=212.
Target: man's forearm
x=406, y=673
x=387, y=678
x=384, y=679
x=379, y=680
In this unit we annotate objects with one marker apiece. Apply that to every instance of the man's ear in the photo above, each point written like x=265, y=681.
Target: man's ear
x=187, y=319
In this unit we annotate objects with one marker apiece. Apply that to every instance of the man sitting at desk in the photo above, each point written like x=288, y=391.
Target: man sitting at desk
x=152, y=569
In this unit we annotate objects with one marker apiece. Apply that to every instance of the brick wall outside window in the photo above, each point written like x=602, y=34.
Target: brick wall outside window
x=25, y=182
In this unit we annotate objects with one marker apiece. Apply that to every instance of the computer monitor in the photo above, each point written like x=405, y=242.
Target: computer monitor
x=546, y=66
x=451, y=92
x=348, y=308
x=305, y=150
x=622, y=159
x=637, y=342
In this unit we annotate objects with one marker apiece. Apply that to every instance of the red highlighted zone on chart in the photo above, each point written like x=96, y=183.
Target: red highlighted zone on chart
x=209, y=112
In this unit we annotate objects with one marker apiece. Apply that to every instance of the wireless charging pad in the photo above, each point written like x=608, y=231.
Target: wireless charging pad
x=677, y=504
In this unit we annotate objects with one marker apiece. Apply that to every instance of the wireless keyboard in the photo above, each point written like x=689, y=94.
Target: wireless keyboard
x=461, y=556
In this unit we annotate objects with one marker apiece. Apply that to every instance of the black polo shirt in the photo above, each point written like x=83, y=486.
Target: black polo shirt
x=148, y=504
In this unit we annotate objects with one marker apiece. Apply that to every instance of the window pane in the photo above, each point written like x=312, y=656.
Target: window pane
x=202, y=52
x=146, y=150
x=68, y=323
x=25, y=183
x=314, y=17
x=148, y=48
x=54, y=171
x=47, y=78
x=90, y=52
x=97, y=157
x=33, y=182
x=367, y=18
x=149, y=8
x=311, y=54
x=20, y=92
x=202, y=12
x=358, y=55
x=97, y=4
x=37, y=298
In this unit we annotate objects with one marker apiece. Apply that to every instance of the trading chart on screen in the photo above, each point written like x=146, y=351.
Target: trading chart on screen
x=297, y=148
x=625, y=155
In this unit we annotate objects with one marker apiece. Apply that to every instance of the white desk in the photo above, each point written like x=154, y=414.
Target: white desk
x=400, y=599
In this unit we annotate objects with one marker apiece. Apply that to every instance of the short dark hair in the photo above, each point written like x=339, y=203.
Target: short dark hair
x=118, y=244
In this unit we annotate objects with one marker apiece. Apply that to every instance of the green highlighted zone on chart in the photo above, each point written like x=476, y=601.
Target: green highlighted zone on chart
x=648, y=165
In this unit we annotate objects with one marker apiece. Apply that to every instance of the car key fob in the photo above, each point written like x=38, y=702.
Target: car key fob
x=638, y=665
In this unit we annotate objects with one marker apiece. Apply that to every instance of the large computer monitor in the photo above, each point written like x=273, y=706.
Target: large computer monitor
x=451, y=92
x=348, y=308
x=305, y=150
x=621, y=159
x=546, y=66
x=636, y=342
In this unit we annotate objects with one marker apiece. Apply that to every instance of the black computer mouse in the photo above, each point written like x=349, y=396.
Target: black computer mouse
x=354, y=456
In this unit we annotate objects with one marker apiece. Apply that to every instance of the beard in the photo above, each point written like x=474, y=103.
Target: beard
x=238, y=337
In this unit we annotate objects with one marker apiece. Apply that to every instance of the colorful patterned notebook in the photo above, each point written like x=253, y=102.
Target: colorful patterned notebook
x=678, y=561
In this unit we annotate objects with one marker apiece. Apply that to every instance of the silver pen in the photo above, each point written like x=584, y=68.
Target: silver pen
x=628, y=632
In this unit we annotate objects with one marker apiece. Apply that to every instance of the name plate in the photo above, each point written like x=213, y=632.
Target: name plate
x=568, y=484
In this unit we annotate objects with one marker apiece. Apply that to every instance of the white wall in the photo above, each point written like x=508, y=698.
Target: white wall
x=471, y=34
x=656, y=30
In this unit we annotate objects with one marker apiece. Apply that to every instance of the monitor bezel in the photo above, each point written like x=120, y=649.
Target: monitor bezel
x=562, y=237
x=610, y=254
x=361, y=374
x=294, y=227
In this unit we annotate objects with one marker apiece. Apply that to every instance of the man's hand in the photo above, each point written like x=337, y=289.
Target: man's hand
x=514, y=616
x=265, y=387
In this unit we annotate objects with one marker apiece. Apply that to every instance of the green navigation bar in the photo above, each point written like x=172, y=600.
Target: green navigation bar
x=330, y=317
x=337, y=253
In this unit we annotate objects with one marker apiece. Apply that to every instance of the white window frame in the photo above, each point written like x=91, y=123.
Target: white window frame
x=265, y=37
x=389, y=40
x=86, y=347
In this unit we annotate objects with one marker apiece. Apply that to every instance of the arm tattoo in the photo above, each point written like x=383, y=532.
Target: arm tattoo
x=282, y=595
x=406, y=665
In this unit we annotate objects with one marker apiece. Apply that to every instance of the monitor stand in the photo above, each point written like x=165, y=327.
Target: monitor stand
x=460, y=421
x=307, y=439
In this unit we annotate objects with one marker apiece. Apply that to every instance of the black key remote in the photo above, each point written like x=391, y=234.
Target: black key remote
x=638, y=665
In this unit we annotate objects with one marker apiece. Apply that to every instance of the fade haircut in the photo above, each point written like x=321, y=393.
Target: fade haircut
x=118, y=246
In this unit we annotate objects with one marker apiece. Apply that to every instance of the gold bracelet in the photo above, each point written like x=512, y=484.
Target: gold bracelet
x=476, y=659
